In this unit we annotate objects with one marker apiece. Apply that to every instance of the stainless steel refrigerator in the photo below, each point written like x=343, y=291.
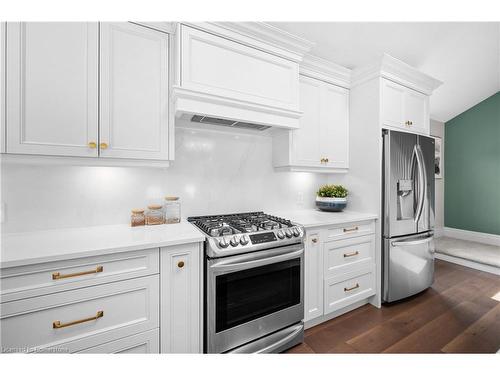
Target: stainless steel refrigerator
x=408, y=214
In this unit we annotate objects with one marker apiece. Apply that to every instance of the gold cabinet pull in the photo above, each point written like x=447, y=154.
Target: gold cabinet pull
x=180, y=264
x=57, y=324
x=351, y=254
x=322, y=160
x=103, y=146
x=57, y=275
x=351, y=288
x=314, y=240
x=347, y=230
x=92, y=145
x=326, y=160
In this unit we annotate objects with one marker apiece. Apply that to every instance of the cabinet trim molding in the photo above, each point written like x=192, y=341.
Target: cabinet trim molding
x=397, y=71
x=324, y=70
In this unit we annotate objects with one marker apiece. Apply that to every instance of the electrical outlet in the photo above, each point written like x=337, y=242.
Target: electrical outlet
x=300, y=198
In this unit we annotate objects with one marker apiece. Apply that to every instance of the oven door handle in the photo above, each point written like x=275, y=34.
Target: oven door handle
x=231, y=267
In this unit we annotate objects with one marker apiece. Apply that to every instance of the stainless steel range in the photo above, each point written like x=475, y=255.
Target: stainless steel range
x=254, y=283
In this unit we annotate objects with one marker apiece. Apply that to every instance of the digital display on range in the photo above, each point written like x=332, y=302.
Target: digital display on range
x=263, y=237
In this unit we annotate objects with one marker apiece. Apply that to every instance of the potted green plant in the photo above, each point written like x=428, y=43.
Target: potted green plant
x=331, y=198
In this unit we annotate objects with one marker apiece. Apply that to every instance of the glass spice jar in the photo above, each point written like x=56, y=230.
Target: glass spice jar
x=154, y=215
x=172, y=210
x=137, y=217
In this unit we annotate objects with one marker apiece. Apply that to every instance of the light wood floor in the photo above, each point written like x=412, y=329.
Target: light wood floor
x=456, y=315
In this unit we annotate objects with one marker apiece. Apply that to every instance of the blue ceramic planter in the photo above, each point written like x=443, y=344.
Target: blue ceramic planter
x=331, y=204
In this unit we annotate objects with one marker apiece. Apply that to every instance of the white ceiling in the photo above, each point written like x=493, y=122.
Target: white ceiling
x=464, y=55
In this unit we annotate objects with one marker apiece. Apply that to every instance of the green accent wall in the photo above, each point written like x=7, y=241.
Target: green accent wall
x=472, y=168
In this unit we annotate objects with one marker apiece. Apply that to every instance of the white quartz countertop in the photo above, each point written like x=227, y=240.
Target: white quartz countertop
x=53, y=245
x=315, y=218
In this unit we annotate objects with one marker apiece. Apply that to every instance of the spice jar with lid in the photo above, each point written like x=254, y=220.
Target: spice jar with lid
x=154, y=215
x=172, y=210
x=137, y=217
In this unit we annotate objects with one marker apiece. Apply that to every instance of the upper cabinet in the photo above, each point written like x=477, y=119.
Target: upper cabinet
x=2, y=86
x=88, y=90
x=400, y=91
x=404, y=108
x=134, y=106
x=223, y=75
x=321, y=144
x=52, y=80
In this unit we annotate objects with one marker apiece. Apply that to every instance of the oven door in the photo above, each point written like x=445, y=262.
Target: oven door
x=252, y=295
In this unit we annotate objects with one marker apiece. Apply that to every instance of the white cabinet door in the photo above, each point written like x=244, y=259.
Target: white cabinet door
x=313, y=289
x=134, y=111
x=307, y=139
x=393, y=97
x=334, y=128
x=142, y=343
x=180, y=299
x=51, y=96
x=417, y=111
x=3, y=25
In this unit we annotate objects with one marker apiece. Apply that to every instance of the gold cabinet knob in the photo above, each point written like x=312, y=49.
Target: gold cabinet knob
x=103, y=146
x=180, y=264
x=326, y=160
x=314, y=240
x=92, y=145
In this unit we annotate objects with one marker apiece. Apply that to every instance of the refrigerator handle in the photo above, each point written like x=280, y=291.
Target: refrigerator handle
x=422, y=183
x=413, y=243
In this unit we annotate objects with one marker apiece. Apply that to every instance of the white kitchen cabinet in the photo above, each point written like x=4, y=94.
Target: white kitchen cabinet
x=74, y=320
x=143, y=343
x=181, y=296
x=134, y=104
x=313, y=295
x=339, y=269
x=3, y=26
x=404, y=108
x=51, y=95
x=321, y=144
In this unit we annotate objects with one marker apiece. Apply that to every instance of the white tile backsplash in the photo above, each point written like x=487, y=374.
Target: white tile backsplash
x=213, y=172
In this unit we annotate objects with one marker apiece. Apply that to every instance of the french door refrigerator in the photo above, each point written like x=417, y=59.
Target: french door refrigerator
x=408, y=214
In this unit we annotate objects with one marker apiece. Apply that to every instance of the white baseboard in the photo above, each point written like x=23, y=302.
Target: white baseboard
x=468, y=263
x=467, y=235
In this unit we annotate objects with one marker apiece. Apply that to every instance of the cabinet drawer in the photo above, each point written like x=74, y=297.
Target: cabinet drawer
x=349, y=230
x=82, y=318
x=348, y=255
x=353, y=287
x=45, y=278
x=142, y=343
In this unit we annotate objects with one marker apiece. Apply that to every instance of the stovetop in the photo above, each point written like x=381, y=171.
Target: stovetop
x=250, y=222
x=245, y=232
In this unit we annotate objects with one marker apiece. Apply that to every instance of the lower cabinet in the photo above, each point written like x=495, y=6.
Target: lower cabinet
x=313, y=296
x=181, y=295
x=339, y=272
x=74, y=320
x=142, y=343
x=344, y=290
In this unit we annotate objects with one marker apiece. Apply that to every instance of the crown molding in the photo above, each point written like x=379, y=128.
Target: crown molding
x=259, y=35
x=316, y=67
x=398, y=71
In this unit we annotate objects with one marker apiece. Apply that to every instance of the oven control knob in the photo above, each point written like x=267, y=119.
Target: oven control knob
x=288, y=233
x=223, y=243
x=234, y=241
x=295, y=232
x=244, y=240
x=280, y=234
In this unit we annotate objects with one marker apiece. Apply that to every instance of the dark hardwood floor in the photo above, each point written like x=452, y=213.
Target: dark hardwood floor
x=456, y=315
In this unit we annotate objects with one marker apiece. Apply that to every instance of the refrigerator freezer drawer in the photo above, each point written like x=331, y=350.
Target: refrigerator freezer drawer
x=408, y=266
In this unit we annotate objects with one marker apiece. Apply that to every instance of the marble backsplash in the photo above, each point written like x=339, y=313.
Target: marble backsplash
x=213, y=172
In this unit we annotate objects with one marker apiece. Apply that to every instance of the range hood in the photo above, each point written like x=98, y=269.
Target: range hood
x=228, y=123
x=241, y=75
